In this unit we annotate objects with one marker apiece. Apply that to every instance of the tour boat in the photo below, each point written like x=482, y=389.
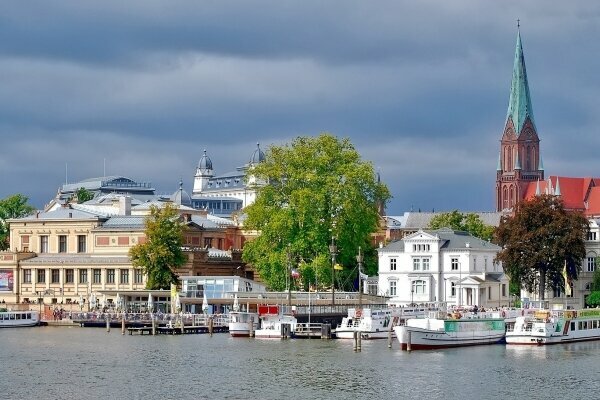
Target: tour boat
x=441, y=330
x=370, y=324
x=274, y=323
x=241, y=323
x=558, y=326
x=15, y=319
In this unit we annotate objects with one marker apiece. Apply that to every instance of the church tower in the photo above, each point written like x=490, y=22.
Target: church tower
x=519, y=161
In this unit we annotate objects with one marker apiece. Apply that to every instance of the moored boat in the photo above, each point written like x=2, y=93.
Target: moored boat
x=16, y=319
x=370, y=324
x=556, y=326
x=441, y=330
x=242, y=324
x=274, y=323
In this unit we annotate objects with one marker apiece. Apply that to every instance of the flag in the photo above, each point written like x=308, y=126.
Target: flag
x=567, y=283
x=295, y=274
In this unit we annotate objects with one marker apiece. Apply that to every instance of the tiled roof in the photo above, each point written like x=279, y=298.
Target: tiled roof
x=576, y=193
x=451, y=240
x=62, y=213
x=124, y=221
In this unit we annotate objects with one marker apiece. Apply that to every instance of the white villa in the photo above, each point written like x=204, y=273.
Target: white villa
x=442, y=266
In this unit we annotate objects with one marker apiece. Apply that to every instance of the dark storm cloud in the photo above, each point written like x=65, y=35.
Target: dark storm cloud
x=420, y=88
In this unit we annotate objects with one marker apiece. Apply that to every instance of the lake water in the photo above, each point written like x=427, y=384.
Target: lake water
x=89, y=363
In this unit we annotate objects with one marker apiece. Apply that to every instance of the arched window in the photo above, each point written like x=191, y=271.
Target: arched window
x=528, y=159
x=505, y=204
x=512, y=196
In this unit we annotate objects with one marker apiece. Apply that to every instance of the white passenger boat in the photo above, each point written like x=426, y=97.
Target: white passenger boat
x=370, y=324
x=15, y=319
x=441, y=330
x=558, y=326
x=274, y=323
x=241, y=323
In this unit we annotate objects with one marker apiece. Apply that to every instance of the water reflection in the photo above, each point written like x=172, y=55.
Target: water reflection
x=85, y=363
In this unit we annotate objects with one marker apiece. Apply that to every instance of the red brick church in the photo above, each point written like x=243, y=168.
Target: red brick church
x=520, y=172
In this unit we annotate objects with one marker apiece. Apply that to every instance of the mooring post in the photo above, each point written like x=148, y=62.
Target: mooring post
x=251, y=327
x=107, y=323
x=123, y=323
x=210, y=325
x=359, y=340
x=153, y=324
x=354, y=337
x=390, y=339
x=408, y=343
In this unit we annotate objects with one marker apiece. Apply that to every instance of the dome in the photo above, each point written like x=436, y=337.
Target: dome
x=205, y=162
x=181, y=197
x=258, y=155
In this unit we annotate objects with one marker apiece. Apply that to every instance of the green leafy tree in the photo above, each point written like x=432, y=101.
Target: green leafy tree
x=82, y=195
x=161, y=254
x=318, y=188
x=593, y=300
x=470, y=223
x=11, y=207
x=540, y=241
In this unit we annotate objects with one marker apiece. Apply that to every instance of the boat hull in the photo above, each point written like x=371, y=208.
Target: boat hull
x=19, y=319
x=423, y=339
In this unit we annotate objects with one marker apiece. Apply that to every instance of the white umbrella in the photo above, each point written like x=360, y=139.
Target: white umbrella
x=93, y=300
x=150, y=303
x=236, y=305
x=205, y=303
x=80, y=301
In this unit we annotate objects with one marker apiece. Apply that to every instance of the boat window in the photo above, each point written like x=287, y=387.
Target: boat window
x=573, y=325
x=12, y=316
x=18, y=316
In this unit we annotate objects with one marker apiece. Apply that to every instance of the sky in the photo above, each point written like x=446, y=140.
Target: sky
x=421, y=88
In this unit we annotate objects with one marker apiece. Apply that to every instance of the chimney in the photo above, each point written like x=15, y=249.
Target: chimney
x=124, y=205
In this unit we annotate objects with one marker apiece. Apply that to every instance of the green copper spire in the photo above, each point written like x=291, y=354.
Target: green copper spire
x=519, y=105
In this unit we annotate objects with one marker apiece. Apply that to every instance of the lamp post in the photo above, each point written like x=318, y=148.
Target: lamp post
x=289, y=277
x=333, y=252
x=412, y=292
x=359, y=260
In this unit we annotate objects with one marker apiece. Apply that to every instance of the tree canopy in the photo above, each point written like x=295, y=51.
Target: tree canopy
x=470, y=223
x=14, y=206
x=82, y=195
x=161, y=253
x=541, y=242
x=316, y=188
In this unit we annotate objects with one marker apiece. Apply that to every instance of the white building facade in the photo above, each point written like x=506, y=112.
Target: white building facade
x=442, y=266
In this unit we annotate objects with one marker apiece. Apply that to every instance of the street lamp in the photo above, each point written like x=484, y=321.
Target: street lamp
x=412, y=292
x=289, y=277
x=333, y=252
x=359, y=260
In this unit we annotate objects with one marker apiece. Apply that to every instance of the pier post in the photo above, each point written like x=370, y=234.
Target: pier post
x=210, y=325
x=408, y=342
x=123, y=323
x=182, y=324
x=107, y=323
x=355, y=346
x=251, y=327
x=153, y=324
x=390, y=339
x=359, y=341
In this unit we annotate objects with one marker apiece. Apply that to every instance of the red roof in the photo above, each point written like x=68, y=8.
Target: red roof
x=577, y=193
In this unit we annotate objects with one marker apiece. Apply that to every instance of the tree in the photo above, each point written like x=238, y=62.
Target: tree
x=593, y=300
x=318, y=189
x=82, y=195
x=541, y=242
x=470, y=223
x=14, y=206
x=161, y=253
